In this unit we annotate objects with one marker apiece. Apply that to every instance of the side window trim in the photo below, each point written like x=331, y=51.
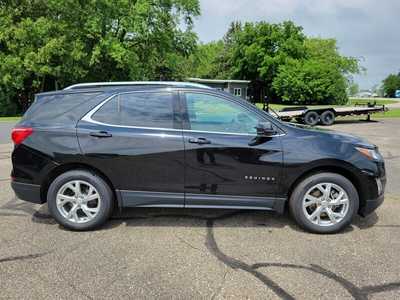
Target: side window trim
x=183, y=111
x=180, y=100
x=177, y=118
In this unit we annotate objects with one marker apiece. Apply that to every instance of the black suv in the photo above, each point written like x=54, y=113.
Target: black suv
x=91, y=148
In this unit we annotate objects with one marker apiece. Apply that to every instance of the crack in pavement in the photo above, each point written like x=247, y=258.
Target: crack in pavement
x=182, y=240
x=231, y=262
x=221, y=286
x=350, y=287
x=234, y=263
x=22, y=257
x=66, y=281
x=38, y=255
x=356, y=292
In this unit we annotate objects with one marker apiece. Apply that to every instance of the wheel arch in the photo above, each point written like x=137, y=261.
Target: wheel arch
x=55, y=172
x=343, y=170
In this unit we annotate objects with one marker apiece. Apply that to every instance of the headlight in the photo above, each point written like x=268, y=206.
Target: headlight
x=369, y=153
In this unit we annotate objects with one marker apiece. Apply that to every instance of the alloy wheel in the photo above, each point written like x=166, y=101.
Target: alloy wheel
x=325, y=204
x=78, y=201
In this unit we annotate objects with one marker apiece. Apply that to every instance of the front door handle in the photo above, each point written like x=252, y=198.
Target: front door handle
x=101, y=134
x=199, y=141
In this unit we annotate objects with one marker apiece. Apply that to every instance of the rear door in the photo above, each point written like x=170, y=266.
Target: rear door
x=224, y=166
x=135, y=139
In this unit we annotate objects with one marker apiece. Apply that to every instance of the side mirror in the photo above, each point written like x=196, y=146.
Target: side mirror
x=265, y=129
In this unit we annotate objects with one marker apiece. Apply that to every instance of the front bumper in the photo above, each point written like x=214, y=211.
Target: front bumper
x=371, y=205
x=374, y=191
x=27, y=192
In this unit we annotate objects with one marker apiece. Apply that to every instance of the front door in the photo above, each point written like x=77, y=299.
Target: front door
x=224, y=167
x=136, y=140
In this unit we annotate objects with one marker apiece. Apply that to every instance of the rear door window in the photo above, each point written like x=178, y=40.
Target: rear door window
x=147, y=109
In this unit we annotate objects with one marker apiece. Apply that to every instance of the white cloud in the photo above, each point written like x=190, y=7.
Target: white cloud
x=363, y=28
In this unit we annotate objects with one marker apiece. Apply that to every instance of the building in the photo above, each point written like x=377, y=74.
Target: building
x=366, y=94
x=238, y=88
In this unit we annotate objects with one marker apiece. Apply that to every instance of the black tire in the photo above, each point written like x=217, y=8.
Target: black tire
x=328, y=118
x=103, y=189
x=296, y=202
x=311, y=118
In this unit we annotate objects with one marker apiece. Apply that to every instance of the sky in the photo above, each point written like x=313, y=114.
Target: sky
x=366, y=29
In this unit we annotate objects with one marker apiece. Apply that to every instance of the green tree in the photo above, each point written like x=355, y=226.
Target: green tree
x=353, y=89
x=321, y=77
x=310, y=82
x=258, y=49
x=326, y=51
x=391, y=84
x=203, y=62
x=284, y=64
x=49, y=44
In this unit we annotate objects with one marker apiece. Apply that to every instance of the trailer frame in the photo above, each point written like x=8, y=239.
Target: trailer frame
x=327, y=115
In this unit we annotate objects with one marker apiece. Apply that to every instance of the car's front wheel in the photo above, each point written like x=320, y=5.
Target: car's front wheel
x=80, y=200
x=324, y=203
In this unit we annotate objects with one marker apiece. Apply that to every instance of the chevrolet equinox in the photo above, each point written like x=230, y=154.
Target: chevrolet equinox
x=90, y=148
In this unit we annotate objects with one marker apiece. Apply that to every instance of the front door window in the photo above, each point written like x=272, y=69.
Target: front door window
x=214, y=114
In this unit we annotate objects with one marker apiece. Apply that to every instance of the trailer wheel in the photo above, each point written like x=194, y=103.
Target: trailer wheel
x=311, y=118
x=327, y=118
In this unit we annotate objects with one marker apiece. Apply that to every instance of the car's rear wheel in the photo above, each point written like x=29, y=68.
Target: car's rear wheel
x=80, y=200
x=324, y=203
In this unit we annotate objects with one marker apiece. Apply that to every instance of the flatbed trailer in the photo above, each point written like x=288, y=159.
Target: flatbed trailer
x=326, y=115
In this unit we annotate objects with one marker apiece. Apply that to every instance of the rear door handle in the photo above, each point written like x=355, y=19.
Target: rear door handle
x=101, y=134
x=200, y=141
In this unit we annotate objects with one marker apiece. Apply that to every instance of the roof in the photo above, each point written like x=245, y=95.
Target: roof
x=205, y=81
x=135, y=83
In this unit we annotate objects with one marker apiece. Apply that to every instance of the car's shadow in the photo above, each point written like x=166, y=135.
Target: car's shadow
x=176, y=217
x=179, y=217
x=171, y=217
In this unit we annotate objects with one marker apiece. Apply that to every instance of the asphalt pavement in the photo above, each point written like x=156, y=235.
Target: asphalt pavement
x=5, y=131
x=203, y=254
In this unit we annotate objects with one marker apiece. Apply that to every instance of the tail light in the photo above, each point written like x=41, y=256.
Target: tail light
x=19, y=134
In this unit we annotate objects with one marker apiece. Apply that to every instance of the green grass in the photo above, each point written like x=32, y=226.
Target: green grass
x=9, y=119
x=392, y=113
x=353, y=101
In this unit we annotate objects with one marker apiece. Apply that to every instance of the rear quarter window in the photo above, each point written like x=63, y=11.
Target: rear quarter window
x=61, y=108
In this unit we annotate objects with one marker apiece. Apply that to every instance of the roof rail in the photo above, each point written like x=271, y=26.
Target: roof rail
x=205, y=81
x=133, y=83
